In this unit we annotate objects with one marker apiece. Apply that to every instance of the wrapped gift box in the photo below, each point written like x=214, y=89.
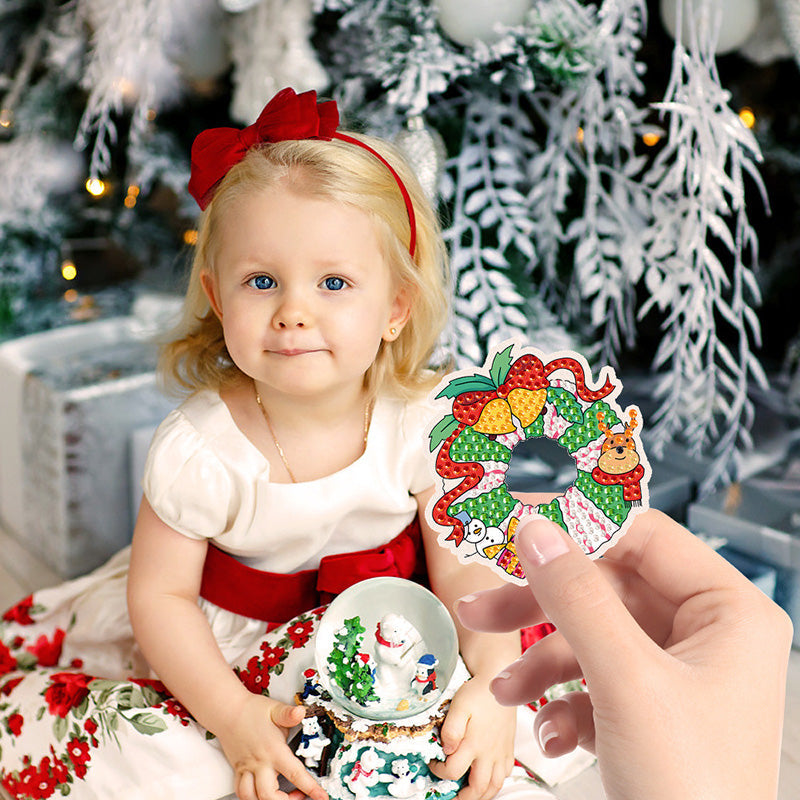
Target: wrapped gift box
x=70, y=400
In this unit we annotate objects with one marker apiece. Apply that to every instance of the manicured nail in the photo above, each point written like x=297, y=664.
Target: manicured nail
x=467, y=598
x=508, y=672
x=547, y=732
x=542, y=542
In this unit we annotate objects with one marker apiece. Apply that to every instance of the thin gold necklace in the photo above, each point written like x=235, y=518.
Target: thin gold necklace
x=277, y=443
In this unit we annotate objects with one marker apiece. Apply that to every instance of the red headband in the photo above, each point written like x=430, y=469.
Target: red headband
x=287, y=116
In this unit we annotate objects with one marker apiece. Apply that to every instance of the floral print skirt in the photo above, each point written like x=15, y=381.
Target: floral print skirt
x=81, y=714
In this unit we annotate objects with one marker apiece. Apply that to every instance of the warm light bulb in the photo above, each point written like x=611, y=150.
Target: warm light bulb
x=6, y=117
x=651, y=139
x=747, y=117
x=95, y=187
x=71, y=295
x=129, y=201
x=190, y=237
x=579, y=135
x=68, y=270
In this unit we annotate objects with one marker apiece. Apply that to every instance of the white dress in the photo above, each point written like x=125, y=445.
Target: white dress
x=70, y=713
x=79, y=706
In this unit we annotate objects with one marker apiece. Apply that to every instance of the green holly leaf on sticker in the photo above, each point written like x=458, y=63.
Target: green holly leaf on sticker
x=501, y=364
x=443, y=430
x=467, y=383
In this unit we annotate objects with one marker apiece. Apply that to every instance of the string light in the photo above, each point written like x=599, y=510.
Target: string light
x=6, y=118
x=131, y=197
x=579, y=136
x=190, y=237
x=68, y=270
x=95, y=187
x=651, y=139
x=71, y=295
x=747, y=117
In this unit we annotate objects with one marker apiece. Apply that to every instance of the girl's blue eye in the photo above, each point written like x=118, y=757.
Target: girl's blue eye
x=261, y=282
x=335, y=283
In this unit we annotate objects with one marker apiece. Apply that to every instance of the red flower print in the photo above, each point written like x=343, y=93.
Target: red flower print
x=90, y=726
x=48, y=652
x=272, y=655
x=79, y=755
x=37, y=782
x=300, y=632
x=21, y=612
x=60, y=769
x=10, y=784
x=177, y=710
x=67, y=690
x=256, y=676
x=14, y=724
x=9, y=686
x=7, y=661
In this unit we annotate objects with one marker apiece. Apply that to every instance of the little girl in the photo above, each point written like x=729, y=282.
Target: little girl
x=296, y=467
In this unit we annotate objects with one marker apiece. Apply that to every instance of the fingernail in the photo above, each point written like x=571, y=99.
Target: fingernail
x=547, y=732
x=467, y=598
x=541, y=542
x=508, y=672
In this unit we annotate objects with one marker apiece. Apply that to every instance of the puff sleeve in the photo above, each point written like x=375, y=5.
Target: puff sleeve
x=185, y=482
x=418, y=419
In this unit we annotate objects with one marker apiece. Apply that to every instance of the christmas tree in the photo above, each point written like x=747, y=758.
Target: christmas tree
x=607, y=181
x=350, y=668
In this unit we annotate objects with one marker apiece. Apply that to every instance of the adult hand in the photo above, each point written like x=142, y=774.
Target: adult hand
x=684, y=661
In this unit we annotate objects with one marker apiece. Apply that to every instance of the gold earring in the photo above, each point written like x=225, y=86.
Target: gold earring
x=393, y=331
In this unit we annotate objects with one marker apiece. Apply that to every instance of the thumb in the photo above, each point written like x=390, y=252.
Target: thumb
x=286, y=716
x=575, y=596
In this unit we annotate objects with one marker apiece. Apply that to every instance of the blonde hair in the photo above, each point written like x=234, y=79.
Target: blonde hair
x=197, y=358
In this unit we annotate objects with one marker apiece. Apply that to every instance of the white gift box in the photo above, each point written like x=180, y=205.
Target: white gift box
x=70, y=399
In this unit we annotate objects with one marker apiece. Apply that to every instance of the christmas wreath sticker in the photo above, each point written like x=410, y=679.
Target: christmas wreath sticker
x=522, y=394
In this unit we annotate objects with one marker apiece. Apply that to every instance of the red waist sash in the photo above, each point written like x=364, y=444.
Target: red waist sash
x=277, y=597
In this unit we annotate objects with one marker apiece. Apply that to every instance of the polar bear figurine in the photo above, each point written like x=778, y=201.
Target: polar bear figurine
x=364, y=774
x=397, y=646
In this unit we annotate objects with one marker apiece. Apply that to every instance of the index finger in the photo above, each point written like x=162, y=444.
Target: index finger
x=651, y=548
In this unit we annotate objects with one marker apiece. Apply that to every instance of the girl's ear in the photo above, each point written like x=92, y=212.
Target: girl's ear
x=398, y=316
x=209, y=284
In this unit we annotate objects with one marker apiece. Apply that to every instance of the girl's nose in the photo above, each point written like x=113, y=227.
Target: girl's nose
x=292, y=312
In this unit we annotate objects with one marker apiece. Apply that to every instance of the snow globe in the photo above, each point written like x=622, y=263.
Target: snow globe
x=386, y=668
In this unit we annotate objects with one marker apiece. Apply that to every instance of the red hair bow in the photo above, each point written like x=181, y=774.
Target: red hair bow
x=287, y=116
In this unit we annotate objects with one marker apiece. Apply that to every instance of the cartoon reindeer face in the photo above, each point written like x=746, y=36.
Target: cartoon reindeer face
x=618, y=452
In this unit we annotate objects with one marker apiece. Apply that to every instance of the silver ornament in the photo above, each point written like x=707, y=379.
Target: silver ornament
x=789, y=13
x=424, y=149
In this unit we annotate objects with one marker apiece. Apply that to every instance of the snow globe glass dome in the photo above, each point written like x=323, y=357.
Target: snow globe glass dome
x=385, y=649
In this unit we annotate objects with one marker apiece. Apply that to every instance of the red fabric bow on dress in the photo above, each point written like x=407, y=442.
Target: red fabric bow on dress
x=288, y=116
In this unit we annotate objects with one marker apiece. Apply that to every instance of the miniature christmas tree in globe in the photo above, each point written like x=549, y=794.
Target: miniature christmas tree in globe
x=349, y=668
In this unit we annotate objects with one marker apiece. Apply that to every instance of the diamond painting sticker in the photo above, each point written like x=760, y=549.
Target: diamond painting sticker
x=522, y=394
